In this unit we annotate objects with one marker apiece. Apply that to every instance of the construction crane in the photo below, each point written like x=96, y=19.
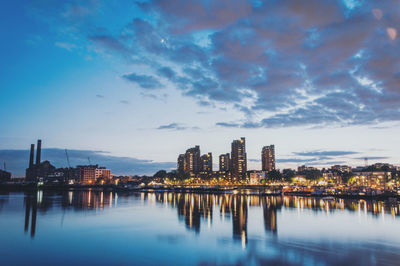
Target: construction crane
x=69, y=165
x=66, y=154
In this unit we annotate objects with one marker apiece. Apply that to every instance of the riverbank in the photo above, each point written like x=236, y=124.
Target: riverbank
x=258, y=190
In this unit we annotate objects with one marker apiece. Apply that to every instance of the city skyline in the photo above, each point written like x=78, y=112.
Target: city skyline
x=200, y=132
x=141, y=81
x=131, y=166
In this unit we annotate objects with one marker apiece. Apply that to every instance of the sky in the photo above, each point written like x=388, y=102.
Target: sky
x=136, y=83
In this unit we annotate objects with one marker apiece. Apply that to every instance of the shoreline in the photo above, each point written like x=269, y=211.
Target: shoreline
x=237, y=190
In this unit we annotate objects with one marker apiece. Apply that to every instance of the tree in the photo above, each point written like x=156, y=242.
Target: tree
x=288, y=174
x=160, y=174
x=313, y=174
x=346, y=177
x=274, y=175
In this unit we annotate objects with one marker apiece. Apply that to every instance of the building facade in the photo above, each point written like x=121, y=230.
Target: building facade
x=103, y=173
x=192, y=163
x=238, y=159
x=268, y=158
x=206, y=162
x=181, y=164
x=224, y=162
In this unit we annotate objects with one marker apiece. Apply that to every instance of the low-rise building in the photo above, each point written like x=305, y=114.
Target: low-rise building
x=256, y=177
x=4, y=176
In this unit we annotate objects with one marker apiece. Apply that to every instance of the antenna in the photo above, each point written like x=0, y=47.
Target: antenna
x=366, y=161
x=5, y=168
x=89, y=160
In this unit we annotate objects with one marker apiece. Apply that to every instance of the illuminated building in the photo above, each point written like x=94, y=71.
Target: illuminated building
x=102, y=173
x=206, y=162
x=88, y=174
x=268, y=158
x=192, y=164
x=224, y=162
x=341, y=168
x=256, y=177
x=181, y=164
x=239, y=159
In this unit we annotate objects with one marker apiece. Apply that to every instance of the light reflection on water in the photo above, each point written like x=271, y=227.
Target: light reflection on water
x=185, y=228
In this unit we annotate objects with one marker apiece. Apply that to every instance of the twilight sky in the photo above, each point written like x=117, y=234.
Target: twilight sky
x=145, y=80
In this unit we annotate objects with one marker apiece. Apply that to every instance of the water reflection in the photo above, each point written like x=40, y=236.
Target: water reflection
x=217, y=228
x=197, y=209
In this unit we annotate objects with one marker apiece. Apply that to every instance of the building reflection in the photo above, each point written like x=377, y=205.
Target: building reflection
x=197, y=210
x=30, y=204
x=270, y=207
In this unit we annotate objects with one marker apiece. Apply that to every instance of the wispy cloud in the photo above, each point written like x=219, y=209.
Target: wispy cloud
x=325, y=153
x=373, y=158
x=65, y=45
x=144, y=81
x=175, y=126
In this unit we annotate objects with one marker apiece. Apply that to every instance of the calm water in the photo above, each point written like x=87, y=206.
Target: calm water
x=65, y=228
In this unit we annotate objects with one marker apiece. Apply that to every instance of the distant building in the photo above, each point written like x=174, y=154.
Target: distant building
x=304, y=168
x=268, y=158
x=239, y=159
x=341, y=168
x=256, y=177
x=103, y=173
x=223, y=175
x=181, y=164
x=224, y=162
x=4, y=176
x=206, y=162
x=33, y=172
x=192, y=160
x=373, y=178
x=383, y=166
x=87, y=173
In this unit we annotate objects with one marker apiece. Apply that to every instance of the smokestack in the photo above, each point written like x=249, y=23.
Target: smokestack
x=31, y=155
x=38, y=151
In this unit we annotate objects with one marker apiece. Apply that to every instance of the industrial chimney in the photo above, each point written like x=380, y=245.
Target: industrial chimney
x=38, y=151
x=31, y=155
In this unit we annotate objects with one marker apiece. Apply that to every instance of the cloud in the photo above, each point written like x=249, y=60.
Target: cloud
x=144, y=81
x=296, y=160
x=99, y=96
x=373, y=158
x=66, y=46
x=124, y=102
x=163, y=97
x=325, y=153
x=279, y=63
x=17, y=161
x=175, y=126
x=227, y=124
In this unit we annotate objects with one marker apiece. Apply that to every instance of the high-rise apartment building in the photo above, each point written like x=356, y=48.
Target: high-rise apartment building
x=206, y=162
x=192, y=163
x=181, y=164
x=224, y=162
x=239, y=159
x=268, y=158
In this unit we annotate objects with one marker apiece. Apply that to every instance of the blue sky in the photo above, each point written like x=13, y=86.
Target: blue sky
x=148, y=79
